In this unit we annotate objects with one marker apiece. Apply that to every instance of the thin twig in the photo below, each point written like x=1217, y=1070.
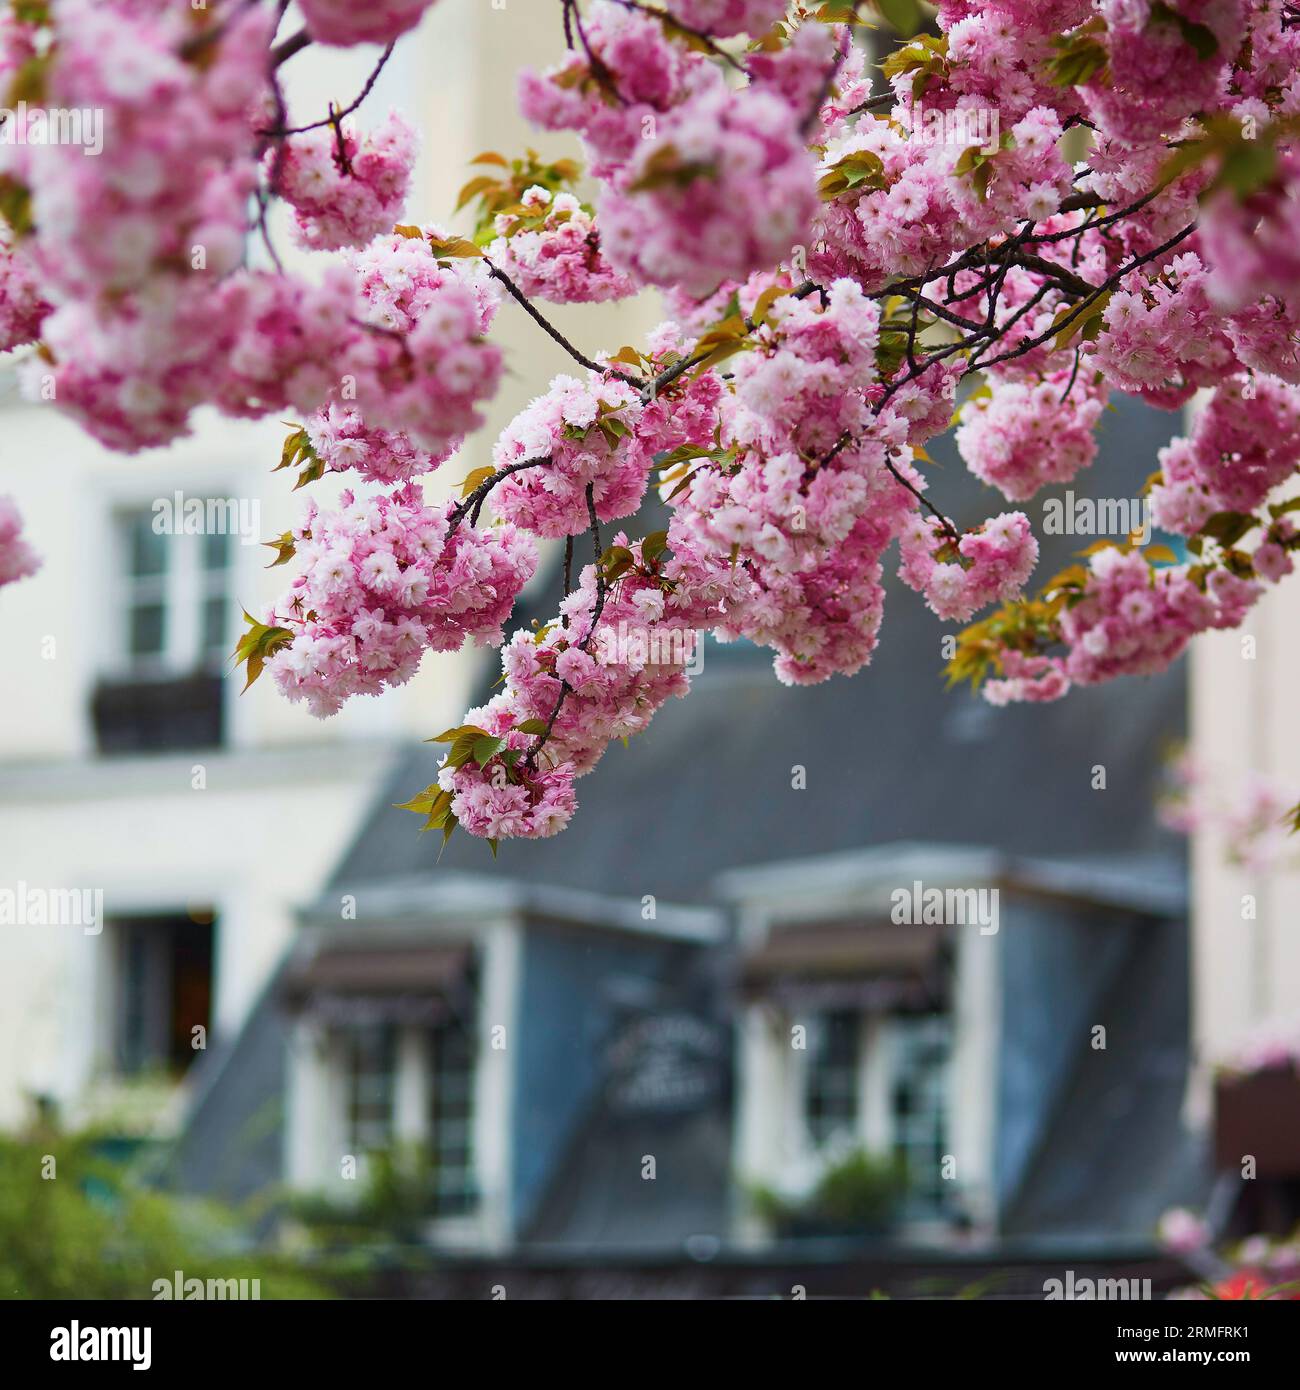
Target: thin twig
x=702, y=35
x=280, y=131
x=602, y=588
x=949, y=529
x=554, y=333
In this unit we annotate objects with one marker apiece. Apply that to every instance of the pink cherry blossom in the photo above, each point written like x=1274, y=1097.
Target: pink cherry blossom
x=344, y=22
x=345, y=188
x=17, y=558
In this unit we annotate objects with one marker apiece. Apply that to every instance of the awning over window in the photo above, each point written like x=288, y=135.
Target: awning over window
x=856, y=963
x=348, y=984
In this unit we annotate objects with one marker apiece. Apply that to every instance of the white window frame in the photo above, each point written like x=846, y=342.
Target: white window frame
x=183, y=588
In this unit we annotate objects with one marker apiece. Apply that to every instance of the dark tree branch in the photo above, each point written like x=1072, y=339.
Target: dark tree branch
x=282, y=52
x=554, y=333
x=602, y=588
x=279, y=131
x=473, y=501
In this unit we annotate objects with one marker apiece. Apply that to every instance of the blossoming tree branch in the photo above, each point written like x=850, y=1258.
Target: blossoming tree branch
x=1119, y=216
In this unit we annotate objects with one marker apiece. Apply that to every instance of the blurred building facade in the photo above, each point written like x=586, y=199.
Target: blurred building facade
x=703, y=971
x=659, y=1032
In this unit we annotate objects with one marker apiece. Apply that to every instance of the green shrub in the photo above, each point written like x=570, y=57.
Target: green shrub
x=74, y=1224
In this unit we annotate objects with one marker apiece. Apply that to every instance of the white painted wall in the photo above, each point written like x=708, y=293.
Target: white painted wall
x=1243, y=705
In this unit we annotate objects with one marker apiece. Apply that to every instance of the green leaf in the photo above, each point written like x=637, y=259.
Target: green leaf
x=435, y=805
x=15, y=204
x=535, y=727
x=485, y=748
x=454, y=248
x=257, y=644
x=475, y=478
x=615, y=562
x=285, y=548
x=473, y=188
x=299, y=453
x=1227, y=527
x=1199, y=37
x=904, y=15
x=1080, y=55
x=451, y=735
x=1087, y=322
x=654, y=545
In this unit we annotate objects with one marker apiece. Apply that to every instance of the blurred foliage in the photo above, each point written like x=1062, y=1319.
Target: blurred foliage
x=858, y=1193
x=394, y=1204
x=75, y=1224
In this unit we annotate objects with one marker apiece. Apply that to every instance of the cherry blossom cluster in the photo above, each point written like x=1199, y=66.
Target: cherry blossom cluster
x=1151, y=82
x=905, y=206
x=176, y=167
x=703, y=183
x=426, y=366
x=588, y=433
x=986, y=565
x=342, y=440
x=726, y=17
x=409, y=383
x=1162, y=338
x=551, y=250
x=597, y=673
x=726, y=189
x=616, y=87
x=1248, y=817
x=1251, y=243
x=1246, y=441
x=1129, y=619
x=133, y=371
x=997, y=52
x=22, y=309
x=1022, y=437
x=343, y=22
x=794, y=548
x=345, y=189
x=382, y=581
x=17, y=558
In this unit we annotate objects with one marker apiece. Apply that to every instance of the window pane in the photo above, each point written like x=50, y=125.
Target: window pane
x=372, y=1074
x=146, y=630
x=147, y=552
x=214, y=638
x=920, y=1106
x=831, y=1097
x=216, y=551
x=453, y=1121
